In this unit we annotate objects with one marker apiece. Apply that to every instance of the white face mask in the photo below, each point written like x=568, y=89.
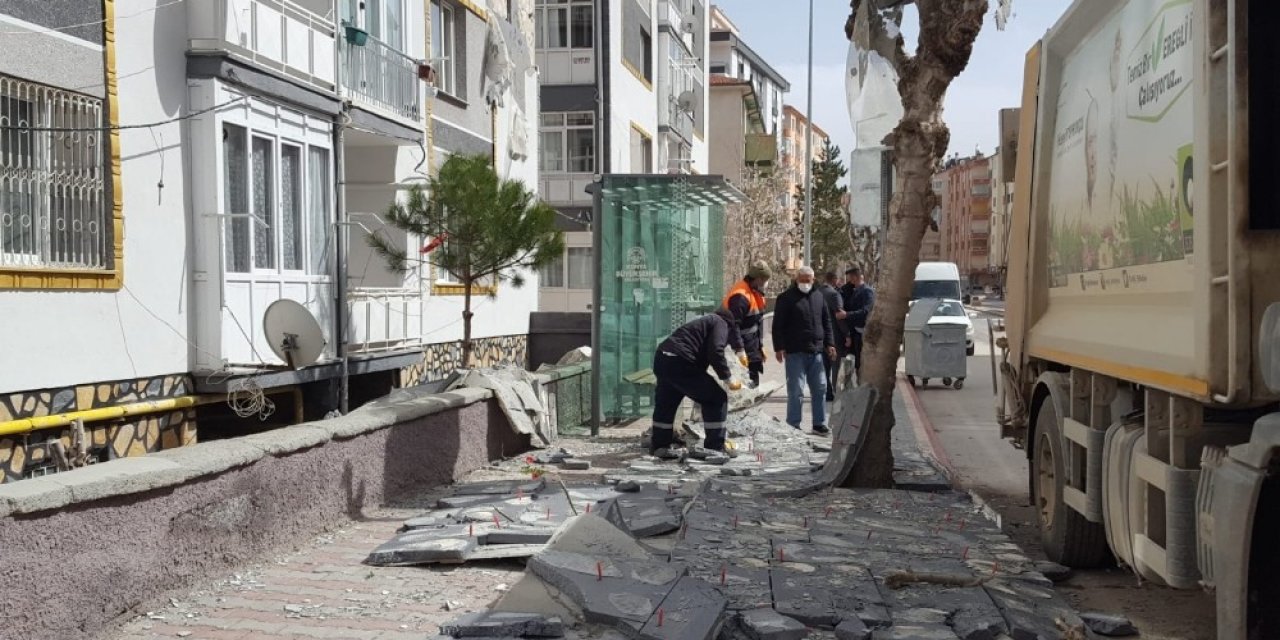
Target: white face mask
x=805, y=287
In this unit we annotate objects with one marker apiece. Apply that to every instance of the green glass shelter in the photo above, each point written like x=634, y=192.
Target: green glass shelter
x=659, y=252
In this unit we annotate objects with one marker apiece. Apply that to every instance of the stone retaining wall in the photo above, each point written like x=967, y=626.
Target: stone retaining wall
x=80, y=548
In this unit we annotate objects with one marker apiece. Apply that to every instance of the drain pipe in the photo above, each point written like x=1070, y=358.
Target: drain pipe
x=340, y=262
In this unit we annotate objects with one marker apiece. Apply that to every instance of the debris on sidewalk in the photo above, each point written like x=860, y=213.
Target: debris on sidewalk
x=518, y=398
x=514, y=519
x=1109, y=624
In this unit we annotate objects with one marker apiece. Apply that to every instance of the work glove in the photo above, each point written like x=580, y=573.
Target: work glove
x=742, y=357
x=735, y=384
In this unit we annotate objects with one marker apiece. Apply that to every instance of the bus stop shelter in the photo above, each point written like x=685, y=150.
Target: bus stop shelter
x=659, y=262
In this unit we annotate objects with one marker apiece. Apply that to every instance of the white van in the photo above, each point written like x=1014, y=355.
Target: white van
x=937, y=280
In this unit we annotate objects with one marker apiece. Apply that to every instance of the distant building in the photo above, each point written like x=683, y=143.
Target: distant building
x=965, y=191
x=794, y=125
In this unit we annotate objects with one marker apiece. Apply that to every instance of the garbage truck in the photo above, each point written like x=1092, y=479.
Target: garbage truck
x=1139, y=366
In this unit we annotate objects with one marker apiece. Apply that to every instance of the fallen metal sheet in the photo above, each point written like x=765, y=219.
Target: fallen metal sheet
x=518, y=398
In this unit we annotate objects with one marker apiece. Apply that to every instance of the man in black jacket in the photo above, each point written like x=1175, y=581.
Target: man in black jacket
x=680, y=365
x=803, y=338
x=835, y=306
x=859, y=300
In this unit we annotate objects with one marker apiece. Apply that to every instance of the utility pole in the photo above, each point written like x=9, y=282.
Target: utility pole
x=808, y=153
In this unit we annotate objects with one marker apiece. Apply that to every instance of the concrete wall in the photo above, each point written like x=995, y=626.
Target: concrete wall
x=82, y=547
x=727, y=144
x=631, y=100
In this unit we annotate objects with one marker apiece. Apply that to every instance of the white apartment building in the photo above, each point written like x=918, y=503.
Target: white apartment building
x=170, y=170
x=732, y=57
x=624, y=90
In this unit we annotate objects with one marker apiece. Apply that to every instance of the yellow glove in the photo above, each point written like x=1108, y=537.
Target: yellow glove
x=742, y=357
x=735, y=385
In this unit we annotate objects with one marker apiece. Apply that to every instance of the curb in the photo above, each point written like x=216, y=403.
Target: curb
x=926, y=434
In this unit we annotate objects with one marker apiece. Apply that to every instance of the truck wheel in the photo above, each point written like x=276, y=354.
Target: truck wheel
x=1068, y=537
x=959, y=384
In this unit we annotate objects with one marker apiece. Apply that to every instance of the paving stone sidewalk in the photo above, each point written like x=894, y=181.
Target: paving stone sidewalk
x=322, y=590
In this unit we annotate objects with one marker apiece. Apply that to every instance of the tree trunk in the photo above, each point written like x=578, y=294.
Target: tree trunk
x=948, y=29
x=466, y=325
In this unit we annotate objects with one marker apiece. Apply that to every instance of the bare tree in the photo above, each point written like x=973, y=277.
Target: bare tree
x=948, y=29
x=758, y=228
x=864, y=248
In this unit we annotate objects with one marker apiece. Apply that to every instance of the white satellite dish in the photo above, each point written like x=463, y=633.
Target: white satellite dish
x=685, y=101
x=294, y=334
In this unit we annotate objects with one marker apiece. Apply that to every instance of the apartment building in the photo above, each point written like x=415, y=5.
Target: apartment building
x=623, y=90
x=964, y=185
x=733, y=58
x=168, y=171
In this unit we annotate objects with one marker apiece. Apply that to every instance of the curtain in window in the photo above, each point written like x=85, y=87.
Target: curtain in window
x=552, y=150
x=552, y=275
x=583, y=27
x=557, y=29
x=582, y=150
x=291, y=207
x=395, y=25
x=318, y=216
x=236, y=197
x=580, y=268
x=264, y=229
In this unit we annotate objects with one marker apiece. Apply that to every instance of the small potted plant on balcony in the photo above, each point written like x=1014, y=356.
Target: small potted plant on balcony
x=426, y=72
x=355, y=35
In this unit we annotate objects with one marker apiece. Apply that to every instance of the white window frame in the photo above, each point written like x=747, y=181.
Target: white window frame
x=306, y=207
x=54, y=163
x=557, y=122
x=568, y=8
x=444, y=48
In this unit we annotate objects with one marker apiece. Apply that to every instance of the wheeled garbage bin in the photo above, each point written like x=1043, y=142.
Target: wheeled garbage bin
x=934, y=350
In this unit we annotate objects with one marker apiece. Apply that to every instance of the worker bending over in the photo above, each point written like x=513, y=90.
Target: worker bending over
x=680, y=365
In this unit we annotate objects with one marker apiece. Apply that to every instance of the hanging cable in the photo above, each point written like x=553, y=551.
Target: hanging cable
x=123, y=127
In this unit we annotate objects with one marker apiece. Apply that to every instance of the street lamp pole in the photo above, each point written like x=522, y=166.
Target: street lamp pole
x=808, y=153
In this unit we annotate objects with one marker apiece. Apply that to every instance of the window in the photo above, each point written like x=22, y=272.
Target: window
x=565, y=24
x=53, y=204
x=261, y=164
x=641, y=151
x=717, y=68
x=269, y=232
x=443, y=47
x=318, y=188
x=552, y=275
x=581, y=267
x=291, y=236
x=646, y=46
x=568, y=142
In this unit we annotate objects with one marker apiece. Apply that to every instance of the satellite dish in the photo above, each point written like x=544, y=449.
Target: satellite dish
x=293, y=333
x=685, y=101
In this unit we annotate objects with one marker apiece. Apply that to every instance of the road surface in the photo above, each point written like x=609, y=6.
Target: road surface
x=965, y=425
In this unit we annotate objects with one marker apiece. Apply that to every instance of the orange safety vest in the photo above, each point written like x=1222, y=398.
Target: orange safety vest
x=755, y=301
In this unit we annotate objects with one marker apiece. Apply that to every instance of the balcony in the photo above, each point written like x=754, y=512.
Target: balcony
x=385, y=319
x=381, y=78
x=280, y=35
x=761, y=150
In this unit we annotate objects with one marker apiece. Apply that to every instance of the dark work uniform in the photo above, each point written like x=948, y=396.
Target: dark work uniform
x=835, y=303
x=680, y=366
x=858, y=303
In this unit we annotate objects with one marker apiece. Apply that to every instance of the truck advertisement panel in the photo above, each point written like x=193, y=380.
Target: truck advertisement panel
x=1121, y=177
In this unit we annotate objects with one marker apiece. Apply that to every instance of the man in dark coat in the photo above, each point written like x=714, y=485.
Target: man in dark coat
x=859, y=300
x=680, y=365
x=804, y=339
x=835, y=306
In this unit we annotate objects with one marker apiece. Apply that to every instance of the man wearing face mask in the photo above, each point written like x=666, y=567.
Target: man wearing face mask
x=804, y=338
x=746, y=302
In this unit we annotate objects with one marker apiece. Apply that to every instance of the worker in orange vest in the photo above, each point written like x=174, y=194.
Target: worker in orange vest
x=746, y=302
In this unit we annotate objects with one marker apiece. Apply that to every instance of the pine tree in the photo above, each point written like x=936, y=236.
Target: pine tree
x=478, y=227
x=832, y=250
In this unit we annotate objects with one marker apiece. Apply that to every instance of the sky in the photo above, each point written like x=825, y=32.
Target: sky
x=992, y=81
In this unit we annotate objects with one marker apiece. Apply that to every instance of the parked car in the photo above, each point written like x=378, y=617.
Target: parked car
x=953, y=312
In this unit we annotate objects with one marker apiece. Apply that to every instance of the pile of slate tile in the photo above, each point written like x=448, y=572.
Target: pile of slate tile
x=516, y=518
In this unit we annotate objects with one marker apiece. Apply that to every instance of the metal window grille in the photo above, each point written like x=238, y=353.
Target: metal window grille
x=53, y=210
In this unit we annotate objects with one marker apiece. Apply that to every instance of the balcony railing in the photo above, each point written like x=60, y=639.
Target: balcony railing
x=385, y=320
x=276, y=34
x=377, y=75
